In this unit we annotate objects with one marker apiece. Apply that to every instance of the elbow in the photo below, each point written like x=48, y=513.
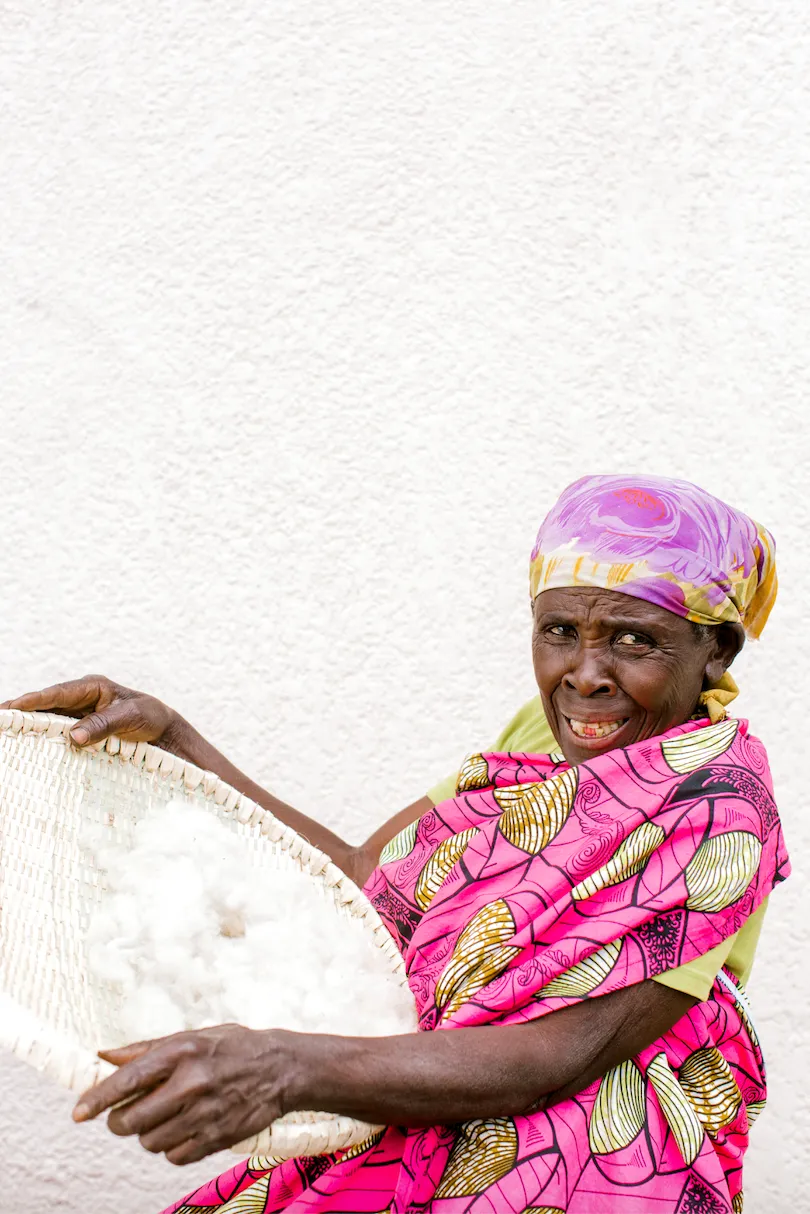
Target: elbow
x=357, y=864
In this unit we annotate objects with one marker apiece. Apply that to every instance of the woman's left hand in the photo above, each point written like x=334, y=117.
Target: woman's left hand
x=194, y=1093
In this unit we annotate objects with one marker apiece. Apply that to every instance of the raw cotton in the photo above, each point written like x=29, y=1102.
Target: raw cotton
x=192, y=933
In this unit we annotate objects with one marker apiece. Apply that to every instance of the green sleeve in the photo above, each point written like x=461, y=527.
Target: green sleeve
x=737, y=952
x=527, y=731
x=697, y=977
x=444, y=790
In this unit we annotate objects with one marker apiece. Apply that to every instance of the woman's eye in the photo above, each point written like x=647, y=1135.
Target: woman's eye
x=632, y=638
x=560, y=630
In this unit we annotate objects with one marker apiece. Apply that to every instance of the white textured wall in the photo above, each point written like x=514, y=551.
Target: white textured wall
x=307, y=311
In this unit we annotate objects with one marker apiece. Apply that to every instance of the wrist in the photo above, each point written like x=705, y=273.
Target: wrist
x=295, y=1066
x=181, y=739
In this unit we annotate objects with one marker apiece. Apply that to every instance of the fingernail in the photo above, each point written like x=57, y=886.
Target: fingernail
x=80, y=1112
x=79, y=735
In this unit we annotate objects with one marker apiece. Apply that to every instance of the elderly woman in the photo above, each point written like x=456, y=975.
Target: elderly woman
x=582, y=920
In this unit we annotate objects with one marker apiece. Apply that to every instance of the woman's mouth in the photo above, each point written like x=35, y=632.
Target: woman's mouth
x=595, y=729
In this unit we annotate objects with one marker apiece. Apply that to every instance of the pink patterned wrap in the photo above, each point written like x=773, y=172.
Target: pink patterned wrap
x=536, y=886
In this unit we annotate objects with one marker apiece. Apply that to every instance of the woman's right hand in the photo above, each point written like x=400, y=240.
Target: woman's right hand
x=104, y=708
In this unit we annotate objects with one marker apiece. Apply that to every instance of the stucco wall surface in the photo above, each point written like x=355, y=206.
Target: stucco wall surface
x=307, y=312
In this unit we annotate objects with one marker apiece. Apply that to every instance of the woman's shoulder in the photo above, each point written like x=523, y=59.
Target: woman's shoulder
x=528, y=731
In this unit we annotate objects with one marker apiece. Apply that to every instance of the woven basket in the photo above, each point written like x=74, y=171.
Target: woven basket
x=54, y=1014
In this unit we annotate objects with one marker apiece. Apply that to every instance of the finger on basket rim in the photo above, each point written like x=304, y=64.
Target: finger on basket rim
x=143, y=1072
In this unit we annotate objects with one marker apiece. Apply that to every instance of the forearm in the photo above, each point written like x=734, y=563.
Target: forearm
x=496, y=1071
x=194, y=1093
x=357, y=862
x=184, y=740
x=422, y=1078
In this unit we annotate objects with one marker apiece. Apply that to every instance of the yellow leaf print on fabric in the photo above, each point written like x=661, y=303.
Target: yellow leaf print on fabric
x=737, y=1203
x=586, y=975
x=706, y=1078
x=721, y=870
x=361, y=1147
x=534, y=813
x=480, y=954
x=261, y=1163
x=401, y=845
x=628, y=859
x=618, y=1114
x=484, y=1151
x=753, y=1110
x=693, y=750
x=439, y=865
x=686, y=1126
x=473, y=774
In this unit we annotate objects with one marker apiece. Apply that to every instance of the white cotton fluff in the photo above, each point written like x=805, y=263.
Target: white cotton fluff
x=192, y=934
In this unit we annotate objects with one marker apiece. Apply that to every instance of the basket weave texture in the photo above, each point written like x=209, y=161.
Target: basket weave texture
x=54, y=1013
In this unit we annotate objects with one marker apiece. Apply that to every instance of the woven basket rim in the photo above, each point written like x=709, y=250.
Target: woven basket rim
x=57, y=1060
x=229, y=799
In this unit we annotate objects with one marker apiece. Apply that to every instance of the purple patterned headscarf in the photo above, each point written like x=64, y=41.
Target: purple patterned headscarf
x=666, y=541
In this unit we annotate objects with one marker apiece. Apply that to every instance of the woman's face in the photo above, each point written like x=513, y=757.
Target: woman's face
x=613, y=670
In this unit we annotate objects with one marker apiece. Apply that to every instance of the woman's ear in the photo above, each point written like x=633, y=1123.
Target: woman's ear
x=728, y=640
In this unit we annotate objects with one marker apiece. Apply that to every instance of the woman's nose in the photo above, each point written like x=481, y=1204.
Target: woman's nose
x=589, y=676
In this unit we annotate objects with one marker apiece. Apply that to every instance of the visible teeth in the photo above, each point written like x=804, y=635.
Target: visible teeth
x=595, y=729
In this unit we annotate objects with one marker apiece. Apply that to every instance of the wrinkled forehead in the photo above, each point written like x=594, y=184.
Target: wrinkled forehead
x=611, y=607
